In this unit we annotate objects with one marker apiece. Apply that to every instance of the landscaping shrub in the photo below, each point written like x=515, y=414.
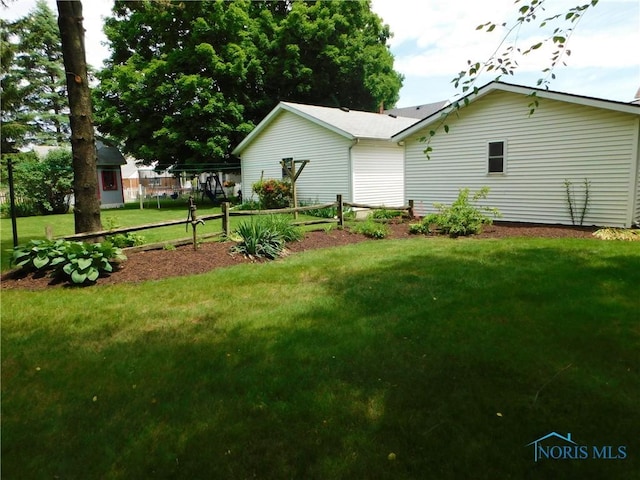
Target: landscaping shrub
x=80, y=262
x=123, y=240
x=47, y=183
x=372, y=229
x=327, y=212
x=23, y=209
x=249, y=205
x=266, y=236
x=273, y=193
x=384, y=214
x=462, y=217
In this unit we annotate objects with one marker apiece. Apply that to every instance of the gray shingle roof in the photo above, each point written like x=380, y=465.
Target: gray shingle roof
x=418, y=111
x=355, y=123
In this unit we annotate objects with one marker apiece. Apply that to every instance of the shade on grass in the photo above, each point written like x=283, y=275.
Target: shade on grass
x=452, y=354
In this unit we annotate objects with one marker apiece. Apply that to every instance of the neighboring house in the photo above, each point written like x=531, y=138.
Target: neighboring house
x=526, y=159
x=349, y=153
x=108, y=164
x=109, y=160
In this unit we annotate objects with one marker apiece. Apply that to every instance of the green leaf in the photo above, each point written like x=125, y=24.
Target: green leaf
x=40, y=262
x=84, y=263
x=77, y=277
x=93, y=274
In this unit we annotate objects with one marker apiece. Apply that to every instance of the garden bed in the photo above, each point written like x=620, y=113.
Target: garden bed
x=184, y=261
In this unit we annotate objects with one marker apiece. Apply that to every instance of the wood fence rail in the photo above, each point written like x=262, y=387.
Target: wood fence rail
x=227, y=212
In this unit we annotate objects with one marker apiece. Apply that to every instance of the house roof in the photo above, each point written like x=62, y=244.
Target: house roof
x=417, y=111
x=508, y=87
x=105, y=154
x=351, y=124
x=108, y=155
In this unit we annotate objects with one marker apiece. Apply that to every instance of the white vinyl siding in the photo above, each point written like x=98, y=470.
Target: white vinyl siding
x=559, y=141
x=378, y=173
x=288, y=135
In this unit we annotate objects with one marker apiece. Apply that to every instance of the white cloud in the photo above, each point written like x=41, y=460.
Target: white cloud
x=435, y=38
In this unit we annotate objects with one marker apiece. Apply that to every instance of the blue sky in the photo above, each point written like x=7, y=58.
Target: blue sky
x=433, y=39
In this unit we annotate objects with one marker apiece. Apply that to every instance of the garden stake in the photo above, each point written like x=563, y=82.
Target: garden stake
x=194, y=220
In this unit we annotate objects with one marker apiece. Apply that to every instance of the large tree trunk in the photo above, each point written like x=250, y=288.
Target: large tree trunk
x=85, y=179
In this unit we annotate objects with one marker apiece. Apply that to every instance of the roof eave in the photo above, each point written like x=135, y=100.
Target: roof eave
x=283, y=106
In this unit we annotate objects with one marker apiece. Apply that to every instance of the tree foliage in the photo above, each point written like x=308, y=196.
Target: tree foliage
x=46, y=183
x=555, y=30
x=34, y=107
x=187, y=81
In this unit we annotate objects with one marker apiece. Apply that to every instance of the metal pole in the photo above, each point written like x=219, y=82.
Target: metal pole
x=12, y=202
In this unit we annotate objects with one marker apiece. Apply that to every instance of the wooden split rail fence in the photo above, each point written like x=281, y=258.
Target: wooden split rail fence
x=227, y=212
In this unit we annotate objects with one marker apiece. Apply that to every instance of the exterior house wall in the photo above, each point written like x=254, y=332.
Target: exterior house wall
x=378, y=173
x=327, y=173
x=111, y=196
x=559, y=141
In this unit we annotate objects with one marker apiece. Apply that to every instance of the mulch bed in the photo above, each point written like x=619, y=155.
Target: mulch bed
x=141, y=266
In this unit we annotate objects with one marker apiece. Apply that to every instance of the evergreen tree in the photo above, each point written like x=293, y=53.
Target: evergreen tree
x=35, y=107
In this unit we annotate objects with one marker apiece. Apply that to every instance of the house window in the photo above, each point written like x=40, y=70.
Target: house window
x=496, y=155
x=289, y=163
x=109, y=180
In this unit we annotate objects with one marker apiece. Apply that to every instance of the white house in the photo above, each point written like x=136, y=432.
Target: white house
x=526, y=158
x=349, y=153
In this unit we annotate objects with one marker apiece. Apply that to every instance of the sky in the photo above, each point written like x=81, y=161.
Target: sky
x=433, y=40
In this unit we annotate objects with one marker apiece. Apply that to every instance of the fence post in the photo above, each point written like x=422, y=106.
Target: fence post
x=340, y=211
x=411, y=212
x=225, y=218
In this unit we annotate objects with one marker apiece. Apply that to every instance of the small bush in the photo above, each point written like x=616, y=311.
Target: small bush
x=384, y=214
x=123, y=240
x=372, y=229
x=462, y=217
x=419, y=228
x=273, y=193
x=266, y=236
x=23, y=209
x=249, y=205
x=80, y=262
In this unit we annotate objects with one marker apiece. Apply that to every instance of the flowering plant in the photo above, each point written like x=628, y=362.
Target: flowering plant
x=273, y=193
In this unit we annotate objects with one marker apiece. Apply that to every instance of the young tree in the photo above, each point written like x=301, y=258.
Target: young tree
x=188, y=80
x=85, y=182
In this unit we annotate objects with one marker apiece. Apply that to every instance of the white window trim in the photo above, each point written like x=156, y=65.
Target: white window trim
x=504, y=157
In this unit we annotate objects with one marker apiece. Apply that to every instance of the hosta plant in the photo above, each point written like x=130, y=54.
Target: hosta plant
x=78, y=261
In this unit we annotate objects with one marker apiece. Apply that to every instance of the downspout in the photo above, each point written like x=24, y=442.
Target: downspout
x=350, y=197
x=634, y=182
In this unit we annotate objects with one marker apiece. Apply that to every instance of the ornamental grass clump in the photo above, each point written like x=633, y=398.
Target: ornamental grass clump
x=266, y=236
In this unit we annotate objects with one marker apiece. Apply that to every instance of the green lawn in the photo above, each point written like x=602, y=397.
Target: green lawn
x=452, y=354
